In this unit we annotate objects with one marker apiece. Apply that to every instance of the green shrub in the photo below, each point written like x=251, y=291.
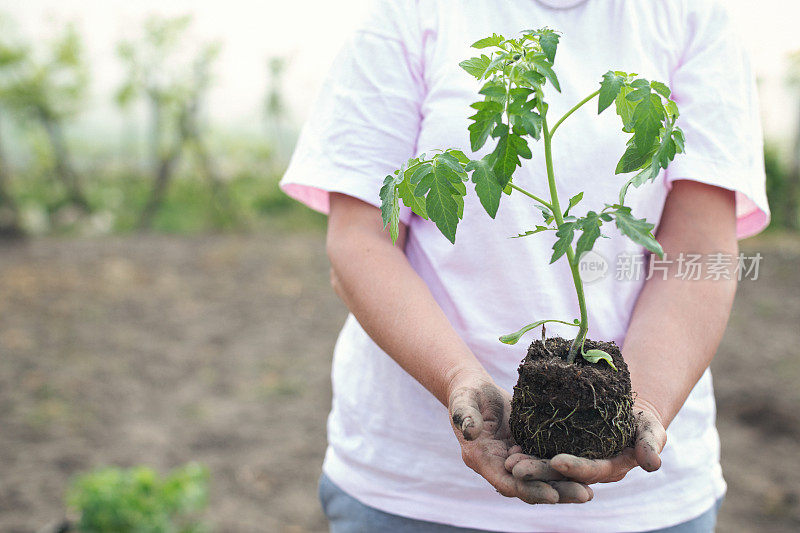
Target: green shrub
x=139, y=500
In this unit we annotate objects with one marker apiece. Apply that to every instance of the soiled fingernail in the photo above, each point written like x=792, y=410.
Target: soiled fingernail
x=467, y=423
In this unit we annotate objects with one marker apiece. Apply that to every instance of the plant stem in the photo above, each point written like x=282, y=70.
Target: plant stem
x=577, y=344
x=571, y=111
x=531, y=195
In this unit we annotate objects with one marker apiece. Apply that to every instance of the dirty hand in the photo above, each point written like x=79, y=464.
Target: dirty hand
x=649, y=441
x=479, y=413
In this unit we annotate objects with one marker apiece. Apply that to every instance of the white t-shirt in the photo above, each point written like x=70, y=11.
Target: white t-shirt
x=395, y=91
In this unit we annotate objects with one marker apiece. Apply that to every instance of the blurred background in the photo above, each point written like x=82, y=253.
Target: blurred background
x=166, y=322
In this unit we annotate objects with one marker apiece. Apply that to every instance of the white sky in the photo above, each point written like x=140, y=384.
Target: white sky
x=310, y=32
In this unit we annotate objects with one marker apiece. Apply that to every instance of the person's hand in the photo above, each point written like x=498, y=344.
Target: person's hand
x=479, y=413
x=649, y=441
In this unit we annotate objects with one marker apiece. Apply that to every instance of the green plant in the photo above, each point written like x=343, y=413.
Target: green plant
x=113, y=500
x=514, y=108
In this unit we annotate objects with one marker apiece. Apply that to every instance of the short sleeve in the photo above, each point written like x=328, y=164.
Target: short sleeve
x=715, y=89
x=366, y=120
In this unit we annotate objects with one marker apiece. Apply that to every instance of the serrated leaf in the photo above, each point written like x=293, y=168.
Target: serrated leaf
x=415, y=176
x=648, y=118
x=487, y=187
x=672, y=109
x=533, y=77
x=609, y=90
x=442, y=194
x=539, y=229
x=450, y=159
x=410, y=200
x=507, y=153
x=565, y=234
x=661, y=89
x=638, y=230
x=484, y=122
x=591, y=232
x=634, y=158
x=541, y=64
x=573, y=202
x=460, y=156
x=679, y=139
x=548, y=39
x=476, y=66
x=595, y=356
x=390, y=205
x=493, y=89
x=494, y=40
x=625, y=109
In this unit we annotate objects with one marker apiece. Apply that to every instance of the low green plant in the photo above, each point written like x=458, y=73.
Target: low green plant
x=514, y=110
x=139, y=500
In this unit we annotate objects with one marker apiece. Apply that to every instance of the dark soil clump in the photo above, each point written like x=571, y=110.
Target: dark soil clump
x=584, y=409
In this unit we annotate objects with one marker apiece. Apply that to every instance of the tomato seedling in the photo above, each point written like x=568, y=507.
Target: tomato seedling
x=514, y=111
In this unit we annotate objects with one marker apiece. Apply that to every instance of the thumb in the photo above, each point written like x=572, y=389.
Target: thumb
x=465, y=412
x=650, y=439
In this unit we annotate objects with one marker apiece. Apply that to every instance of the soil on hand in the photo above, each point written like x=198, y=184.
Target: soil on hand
x=583, y=409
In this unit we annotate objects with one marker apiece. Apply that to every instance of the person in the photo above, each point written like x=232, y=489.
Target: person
x=420, y=347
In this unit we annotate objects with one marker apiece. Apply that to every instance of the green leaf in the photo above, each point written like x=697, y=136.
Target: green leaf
x=476, y=66
x=565, y=234
x=549, y=41
x=510, y=147
x=595, y=356
x=449, y=158
x=493, y=89
x=530, y=122
x=573, y=202
x=486, y=42
x=539, y=229
x=625, y=109
x=672, y=109
x=533, y=78
x=458, y=154
x=634, y=158
x=638, y=230
x=679, y=140
x=513, y=338
x=413, y=202
x=416, y=174
x=647, y=118
x=542, y=65
x=390, y=205
x=661, y=89
x=488, y=116
x=486, y=185
x=443, y=191
x=610, y=88
x=591, y=231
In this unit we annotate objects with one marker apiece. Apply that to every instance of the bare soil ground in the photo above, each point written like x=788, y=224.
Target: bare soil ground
x=162, y=350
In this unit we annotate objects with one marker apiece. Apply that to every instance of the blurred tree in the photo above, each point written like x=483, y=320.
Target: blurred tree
x=173, y=78
x=10, y=57
x=49, y=89
x=787, y=203
x=275, y=108
x=776, y=185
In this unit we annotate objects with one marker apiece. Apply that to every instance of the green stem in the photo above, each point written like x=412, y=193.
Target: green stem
x=577, y=344
x=571, y=111
x=531, y=195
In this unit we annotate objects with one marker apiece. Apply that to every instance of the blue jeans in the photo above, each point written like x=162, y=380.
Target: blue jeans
x=347, y=515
